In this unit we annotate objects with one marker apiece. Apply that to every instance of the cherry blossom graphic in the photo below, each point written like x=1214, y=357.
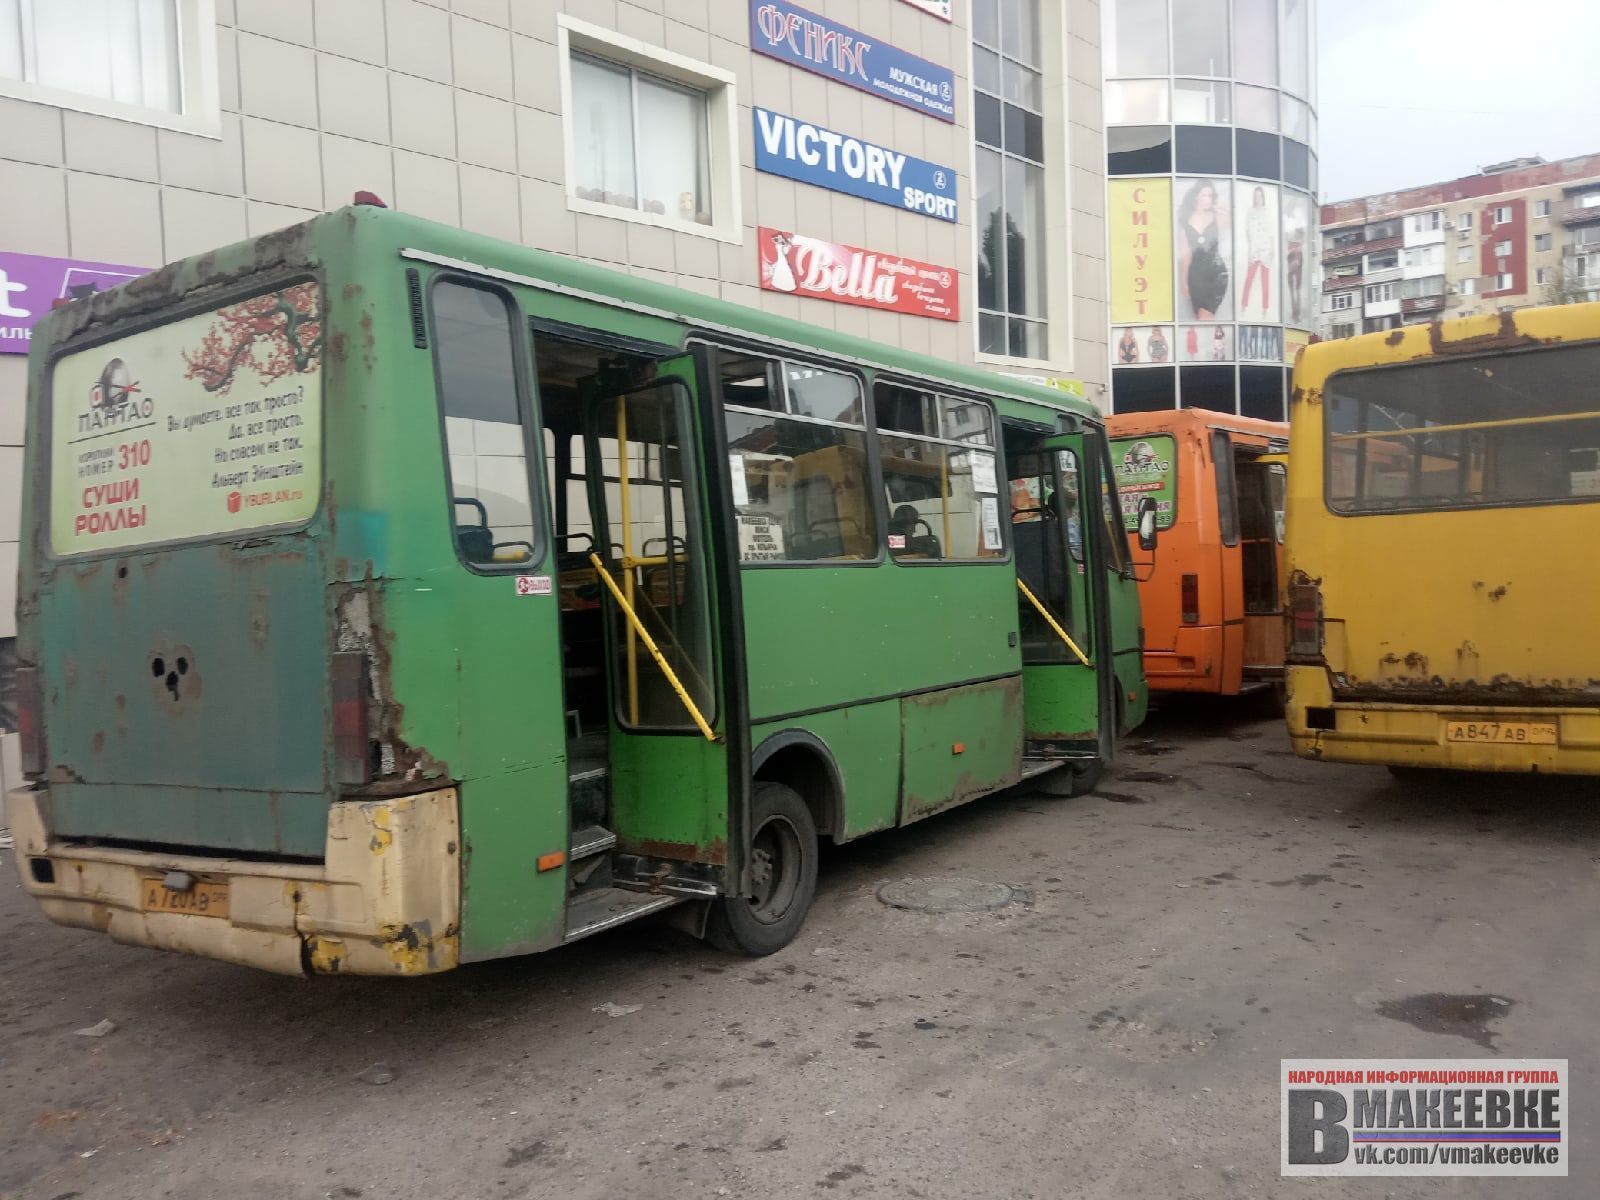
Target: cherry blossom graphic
x=276, y=335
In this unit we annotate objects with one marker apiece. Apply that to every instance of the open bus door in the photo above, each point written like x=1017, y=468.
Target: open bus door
x=676, y=809
x=1261, y=479
x=1071, y=560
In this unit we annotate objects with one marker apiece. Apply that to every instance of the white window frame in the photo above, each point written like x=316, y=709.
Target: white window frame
x=1547, y=239
x=1541, y=208
x=1463, y=254
x=1464, y=221
x=1502, y=214
x=1469, y=287
x=1342, y=301
x=722, y=121
x=1504, y=282
x=1541, y=275
x=1502, y=248
x=197, y=79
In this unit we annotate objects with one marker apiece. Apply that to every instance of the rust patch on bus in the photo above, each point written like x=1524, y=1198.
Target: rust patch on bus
x=1506, y=337
x=714, y=852
x=1396, y=336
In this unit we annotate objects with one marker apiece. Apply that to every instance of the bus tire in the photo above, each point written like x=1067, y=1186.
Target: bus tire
x=783, y=849
x=1073, y=779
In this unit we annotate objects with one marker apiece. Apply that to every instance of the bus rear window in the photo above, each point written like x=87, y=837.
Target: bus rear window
x=1521, y=428
x=208, y=426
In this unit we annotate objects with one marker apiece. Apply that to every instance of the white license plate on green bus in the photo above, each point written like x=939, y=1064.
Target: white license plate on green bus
x=1503, y=733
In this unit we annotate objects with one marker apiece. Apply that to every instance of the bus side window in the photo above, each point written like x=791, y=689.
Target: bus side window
x=1227, y=497
x=797, y=457
x=939, y=476
x=485, y=438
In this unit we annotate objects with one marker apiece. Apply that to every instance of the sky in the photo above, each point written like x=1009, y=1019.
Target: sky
x=1419, y=91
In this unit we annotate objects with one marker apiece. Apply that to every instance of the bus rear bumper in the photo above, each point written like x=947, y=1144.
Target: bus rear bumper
x=1416, y=735
x=384, y=901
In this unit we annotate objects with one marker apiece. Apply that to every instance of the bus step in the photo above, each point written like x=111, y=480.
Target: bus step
x=591, y=839
x=596, y=910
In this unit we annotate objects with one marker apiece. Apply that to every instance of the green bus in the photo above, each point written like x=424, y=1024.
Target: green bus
x=393, y=597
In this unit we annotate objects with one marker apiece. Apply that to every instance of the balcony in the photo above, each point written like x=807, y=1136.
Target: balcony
x=1569, y=212
x=1335, y=283
x=1384, y=275
x=1356, y=249
x=1421, y=304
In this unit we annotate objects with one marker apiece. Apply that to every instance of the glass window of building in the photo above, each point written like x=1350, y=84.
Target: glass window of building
x=1205, y=150
x=113, y=55
x=1010, y=182
x=1296, y=119
x=1137, y=102
x=1201, y=102
x=1200, y=38
x=1296, y=47
x=1255, y=41
x=1136, y=36
x=1138, y=150
x=640, y=142
x=1256, y=108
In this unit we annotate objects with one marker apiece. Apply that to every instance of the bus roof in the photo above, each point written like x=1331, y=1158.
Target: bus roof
x=430, y=241
x=1487, y=333
x=1140, y=423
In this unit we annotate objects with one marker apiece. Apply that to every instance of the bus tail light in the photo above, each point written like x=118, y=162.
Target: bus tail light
x=352, y=748
x=1191, y=599
x=1305, y=620
x=30, y=730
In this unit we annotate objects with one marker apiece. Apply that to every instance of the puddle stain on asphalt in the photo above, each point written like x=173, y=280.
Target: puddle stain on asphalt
x=1458, y=1015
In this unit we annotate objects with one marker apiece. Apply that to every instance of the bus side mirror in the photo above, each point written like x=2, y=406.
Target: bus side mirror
x=1147, y=522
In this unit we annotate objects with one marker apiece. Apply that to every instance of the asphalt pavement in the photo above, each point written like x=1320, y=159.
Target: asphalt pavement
x=1217, y=906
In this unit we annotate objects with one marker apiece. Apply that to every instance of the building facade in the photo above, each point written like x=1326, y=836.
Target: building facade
x=1515, y=234
x=1211, y=158
x=754, y=150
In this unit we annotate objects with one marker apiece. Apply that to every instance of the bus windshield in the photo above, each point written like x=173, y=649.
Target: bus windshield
x=1503, y=429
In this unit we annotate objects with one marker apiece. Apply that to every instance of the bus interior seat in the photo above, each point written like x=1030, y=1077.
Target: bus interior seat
x=905, y=522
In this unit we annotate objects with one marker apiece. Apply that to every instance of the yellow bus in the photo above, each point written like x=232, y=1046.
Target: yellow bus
x=1443, y=524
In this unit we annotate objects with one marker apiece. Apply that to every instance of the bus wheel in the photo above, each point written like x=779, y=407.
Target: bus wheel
x=1074, y=779
x=783, y=873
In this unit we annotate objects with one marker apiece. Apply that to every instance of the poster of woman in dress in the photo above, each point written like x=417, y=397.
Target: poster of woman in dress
x=1203, y=239
x=1298, y=291
x=1205, y=344
x=1260, y=279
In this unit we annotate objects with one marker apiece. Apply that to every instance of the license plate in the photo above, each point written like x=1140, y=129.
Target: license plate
x=202, y=900
x=1502, y=733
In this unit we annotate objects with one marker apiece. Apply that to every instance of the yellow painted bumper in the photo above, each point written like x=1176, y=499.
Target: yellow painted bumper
x=386, y=900
x=1413, y=735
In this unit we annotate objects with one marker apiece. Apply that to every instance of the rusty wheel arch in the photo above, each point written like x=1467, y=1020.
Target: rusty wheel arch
x=800, y=759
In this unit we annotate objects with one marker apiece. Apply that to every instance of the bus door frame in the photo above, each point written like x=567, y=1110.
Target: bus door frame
x=689, y=372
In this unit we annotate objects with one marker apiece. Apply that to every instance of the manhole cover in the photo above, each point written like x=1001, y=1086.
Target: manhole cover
x=948, y=894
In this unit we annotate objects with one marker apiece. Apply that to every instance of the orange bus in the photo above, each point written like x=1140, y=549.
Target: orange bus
x=1213, y=617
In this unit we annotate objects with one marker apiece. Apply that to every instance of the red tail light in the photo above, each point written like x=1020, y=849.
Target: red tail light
x=1191, y=599
x=29, y=729
x=352, y=747
x=1305, y=620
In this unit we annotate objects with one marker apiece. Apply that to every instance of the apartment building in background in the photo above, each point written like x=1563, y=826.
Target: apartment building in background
x=1516, y=234
x=672, y=139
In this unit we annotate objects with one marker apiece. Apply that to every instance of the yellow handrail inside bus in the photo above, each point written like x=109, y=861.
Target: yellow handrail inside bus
x=625, y=489
x=636, y=626
x=1051, y=621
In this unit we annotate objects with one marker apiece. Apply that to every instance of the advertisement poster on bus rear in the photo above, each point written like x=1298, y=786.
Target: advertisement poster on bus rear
x=1145, y=467
x=209, y=425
